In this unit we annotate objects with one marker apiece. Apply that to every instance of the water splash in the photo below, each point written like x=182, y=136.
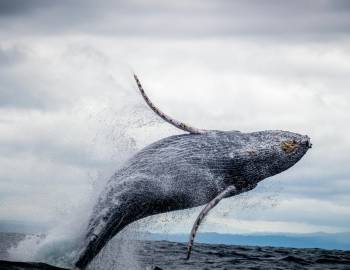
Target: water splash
x=113, y=128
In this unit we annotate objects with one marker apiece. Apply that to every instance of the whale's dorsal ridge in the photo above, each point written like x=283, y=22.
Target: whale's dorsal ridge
x=165, y=117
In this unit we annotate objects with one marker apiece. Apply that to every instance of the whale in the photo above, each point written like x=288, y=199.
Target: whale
x=198, y=168
x=185, y=171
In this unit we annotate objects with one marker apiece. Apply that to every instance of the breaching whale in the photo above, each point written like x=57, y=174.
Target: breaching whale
x=184, y=171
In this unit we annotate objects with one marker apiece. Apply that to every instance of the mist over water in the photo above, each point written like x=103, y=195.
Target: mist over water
x=112, y=127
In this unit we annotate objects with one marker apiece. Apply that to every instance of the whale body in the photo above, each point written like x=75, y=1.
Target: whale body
x=186, y=171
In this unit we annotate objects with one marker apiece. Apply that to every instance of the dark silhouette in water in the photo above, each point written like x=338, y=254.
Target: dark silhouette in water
x=7, y=265
x=186, y=171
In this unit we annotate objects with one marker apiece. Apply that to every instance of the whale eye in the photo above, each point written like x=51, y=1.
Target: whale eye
x=289, y=146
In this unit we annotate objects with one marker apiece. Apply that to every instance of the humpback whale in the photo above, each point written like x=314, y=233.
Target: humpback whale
x=200, y=167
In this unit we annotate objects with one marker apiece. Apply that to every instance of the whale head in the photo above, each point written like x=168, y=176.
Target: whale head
x=267, y=153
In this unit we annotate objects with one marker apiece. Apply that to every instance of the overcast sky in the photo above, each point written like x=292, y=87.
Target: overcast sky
x=70, y=112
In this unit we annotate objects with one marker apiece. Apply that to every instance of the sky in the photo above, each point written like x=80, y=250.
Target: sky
x=70, y=113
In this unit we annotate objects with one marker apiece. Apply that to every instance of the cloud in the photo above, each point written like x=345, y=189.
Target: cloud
x=10, y=8
x=10, y=55
x=301, y=20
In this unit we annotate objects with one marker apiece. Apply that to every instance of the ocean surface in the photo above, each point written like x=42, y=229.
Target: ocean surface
x=170, y=255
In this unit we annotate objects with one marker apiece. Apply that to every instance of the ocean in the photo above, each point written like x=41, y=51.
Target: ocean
x=170, y=255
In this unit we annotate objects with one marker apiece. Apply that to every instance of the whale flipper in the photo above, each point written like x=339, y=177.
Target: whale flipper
x=165, y=117
x=230, y=190
x=9, y=265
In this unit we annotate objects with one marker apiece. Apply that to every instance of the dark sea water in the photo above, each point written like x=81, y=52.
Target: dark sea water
x=170, y=255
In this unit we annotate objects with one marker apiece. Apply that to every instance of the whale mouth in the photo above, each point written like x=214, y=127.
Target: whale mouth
x=289, y=146
x=308, y=142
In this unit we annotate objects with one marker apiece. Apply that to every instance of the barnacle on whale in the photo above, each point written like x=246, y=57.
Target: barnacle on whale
x=289, y=146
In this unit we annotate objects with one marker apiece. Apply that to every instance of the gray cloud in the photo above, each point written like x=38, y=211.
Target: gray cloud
x=20, y=7
x=16, y=94
x=301, y=20
x=11, y=55
x=21, y=92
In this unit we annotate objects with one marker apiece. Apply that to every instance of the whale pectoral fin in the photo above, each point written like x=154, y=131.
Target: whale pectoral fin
x=165, y=117
x=229, y=190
